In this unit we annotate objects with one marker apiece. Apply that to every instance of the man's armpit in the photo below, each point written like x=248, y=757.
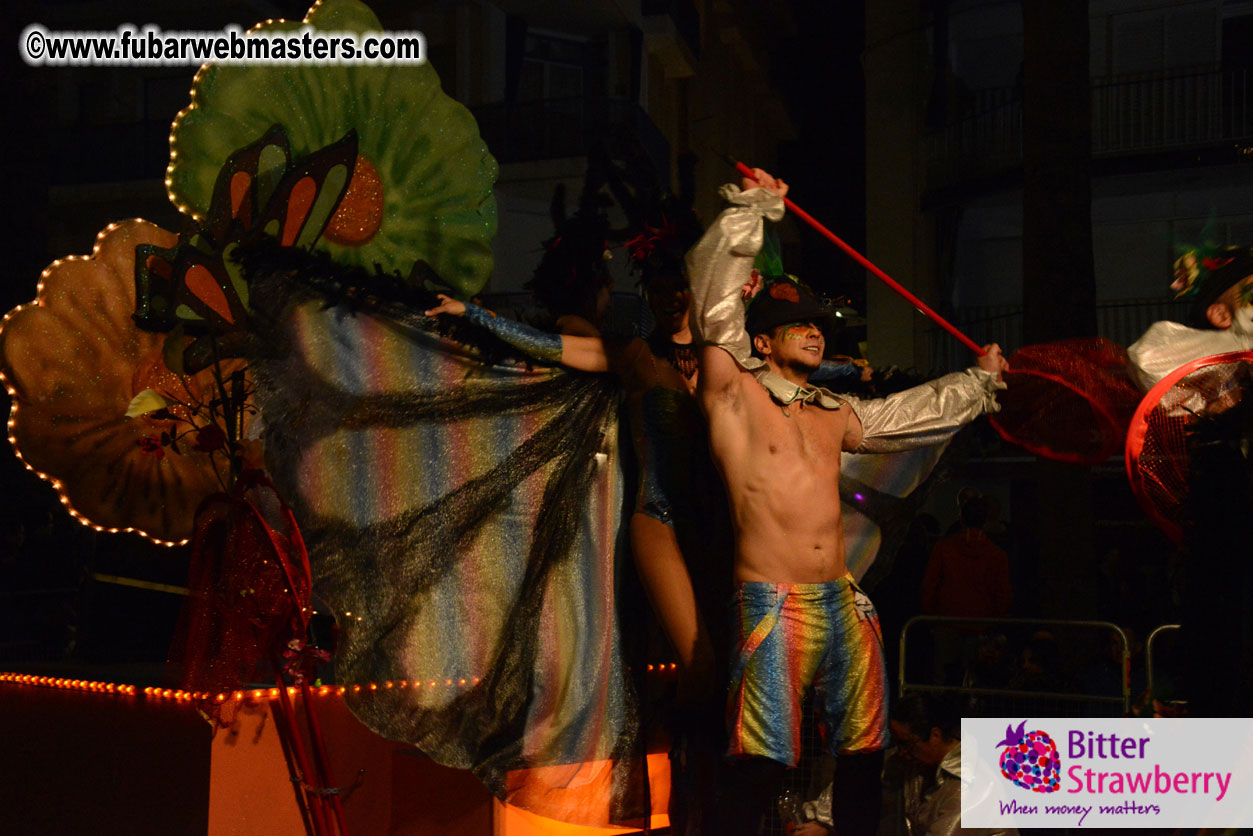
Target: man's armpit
x=728, y=399
x=721, y=379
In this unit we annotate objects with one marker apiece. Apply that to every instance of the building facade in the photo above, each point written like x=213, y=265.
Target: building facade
x=1172, y=160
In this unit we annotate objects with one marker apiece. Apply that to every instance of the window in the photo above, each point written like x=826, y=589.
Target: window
x=552, y=68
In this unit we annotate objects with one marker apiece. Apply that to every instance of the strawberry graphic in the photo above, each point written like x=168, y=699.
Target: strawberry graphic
x=1030, y=759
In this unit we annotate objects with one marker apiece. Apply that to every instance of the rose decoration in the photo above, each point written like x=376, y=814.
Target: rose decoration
x=785, y=291
x=421, y=189
x=74, y=364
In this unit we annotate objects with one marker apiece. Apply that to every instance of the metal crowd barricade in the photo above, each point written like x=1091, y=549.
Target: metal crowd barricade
x=1149, y=643
x=1003, y=699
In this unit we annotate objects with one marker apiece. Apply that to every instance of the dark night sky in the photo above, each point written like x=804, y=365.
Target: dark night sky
x=823, y=87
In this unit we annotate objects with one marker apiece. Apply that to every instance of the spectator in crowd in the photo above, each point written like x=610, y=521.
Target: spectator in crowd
x=963, y=496
x=966, y=577
x=925, y=770
x=1041, y=668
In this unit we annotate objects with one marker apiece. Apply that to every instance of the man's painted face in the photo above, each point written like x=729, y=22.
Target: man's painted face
x=798, y=332
x=798, y=344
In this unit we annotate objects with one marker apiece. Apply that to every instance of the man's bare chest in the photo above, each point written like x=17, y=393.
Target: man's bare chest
x=799, y=431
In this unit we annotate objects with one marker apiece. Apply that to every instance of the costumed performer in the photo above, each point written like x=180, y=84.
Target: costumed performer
x=676, y=518
x=777, y=441
x=660, y=379
x=1219, y=284
x=1192, y=465
x=572, y=282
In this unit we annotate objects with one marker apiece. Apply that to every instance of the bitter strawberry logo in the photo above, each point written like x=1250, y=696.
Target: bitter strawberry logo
x=1030, y=759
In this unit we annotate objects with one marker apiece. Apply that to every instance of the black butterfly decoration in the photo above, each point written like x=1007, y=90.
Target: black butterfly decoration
x=197, y=289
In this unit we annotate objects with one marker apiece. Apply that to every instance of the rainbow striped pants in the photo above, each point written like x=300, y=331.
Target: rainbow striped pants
x=791, y=636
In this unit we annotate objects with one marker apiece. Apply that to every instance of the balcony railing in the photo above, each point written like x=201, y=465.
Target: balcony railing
x=1129, y=116
x=1186, y=111
x=553, y=128
x=1122, y=321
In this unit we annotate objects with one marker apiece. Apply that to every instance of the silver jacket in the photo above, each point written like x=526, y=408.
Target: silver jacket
x=929, y=809
x=719, y=266
x=1168, y=345
x=935, y=810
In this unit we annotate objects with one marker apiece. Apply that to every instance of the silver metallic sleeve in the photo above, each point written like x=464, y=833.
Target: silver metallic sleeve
x=1166, y=346
x=720, y=264
x=927, y=414
x=819, y=809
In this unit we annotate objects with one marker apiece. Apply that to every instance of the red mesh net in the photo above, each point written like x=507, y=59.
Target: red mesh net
x=1070, y=400
x=1157, y=441
x=247, y=611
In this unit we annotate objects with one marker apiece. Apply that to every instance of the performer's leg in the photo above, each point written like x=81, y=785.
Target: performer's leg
x=668, y=585
x=856, y=793
x=852, y=685
x=696, y=723
x=748, y=790
x=780, y=639
x=782, y=632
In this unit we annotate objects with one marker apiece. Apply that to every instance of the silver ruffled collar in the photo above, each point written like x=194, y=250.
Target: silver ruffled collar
x=786, y=392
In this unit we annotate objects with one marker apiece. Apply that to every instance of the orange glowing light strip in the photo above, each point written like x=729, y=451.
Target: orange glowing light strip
x=68, y=684
x=249, y=695
x=661, y=667
x=57, y=485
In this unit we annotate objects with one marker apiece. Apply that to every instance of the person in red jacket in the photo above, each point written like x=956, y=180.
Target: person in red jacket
x=966, y=577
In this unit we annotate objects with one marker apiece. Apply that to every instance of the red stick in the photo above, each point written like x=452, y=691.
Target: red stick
x=320, y=754
x=869, y=265
x=314, y=802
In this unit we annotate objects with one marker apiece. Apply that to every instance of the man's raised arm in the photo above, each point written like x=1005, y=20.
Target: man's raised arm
x=927, y=414
x=719, y=266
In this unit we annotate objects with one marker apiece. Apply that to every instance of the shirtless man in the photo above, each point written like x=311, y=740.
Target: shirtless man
x=777, y=441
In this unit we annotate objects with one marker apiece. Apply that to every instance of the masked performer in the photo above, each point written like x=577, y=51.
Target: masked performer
x=1189, y=462
x=572, y=281
x=672, y=500
x=1189, y=372
x=660, y=378
x=777, y=441
x=1219, y=285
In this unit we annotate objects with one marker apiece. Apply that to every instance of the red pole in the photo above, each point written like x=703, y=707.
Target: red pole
x=314, y=801
x=320, y=753
x=922, y=306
